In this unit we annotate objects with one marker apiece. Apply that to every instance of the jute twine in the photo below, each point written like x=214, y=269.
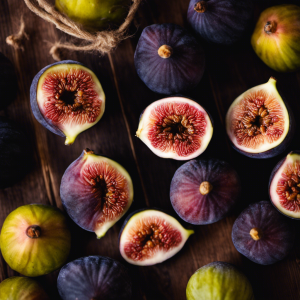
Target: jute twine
x=101, y=41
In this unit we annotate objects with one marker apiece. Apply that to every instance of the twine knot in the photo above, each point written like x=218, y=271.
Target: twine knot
x=16, y=40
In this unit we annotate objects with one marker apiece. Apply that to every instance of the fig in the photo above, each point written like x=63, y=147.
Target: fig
x=284, y=185
x=21, y=288
x=204, y=191
x=259, y=123
x=219, y=281
x=95, y=14
x=96, y=192
x=15, y=153
x=67, y=98
x=175, y=127
x=276, y=37
x=168, y=59
x=222, y=22
x=93, y=278
x=150, y=236
x=35, y=239
x=262, y=235
x=8, y=82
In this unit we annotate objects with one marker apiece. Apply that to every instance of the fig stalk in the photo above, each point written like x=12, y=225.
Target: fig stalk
x=165, y=51
x=256, y=233
x=270, y=27
x=205, y=188
x=200, y=7
x=34, y=231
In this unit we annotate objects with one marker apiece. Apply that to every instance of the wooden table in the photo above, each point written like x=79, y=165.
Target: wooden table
x=229, y=72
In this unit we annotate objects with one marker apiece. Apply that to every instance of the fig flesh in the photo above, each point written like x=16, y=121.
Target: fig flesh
x=169, y=59
x=8, y=82
x=93, y=278
x=67, y=98
x=222, y=22
x=175, y=127
x=259, y=123
x=15, y=153
x=262, y=234
x=219, y=281
x=21, y=288
x=96, y=192
x=150, y=236
x=35, y=239
x=284, y=185
x=204, y=191
x=276, y=37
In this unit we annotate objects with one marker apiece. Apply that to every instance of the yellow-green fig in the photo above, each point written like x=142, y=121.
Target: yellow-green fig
x=35, y=239
x=95, y=14
x=21, y=288
x=276, y=38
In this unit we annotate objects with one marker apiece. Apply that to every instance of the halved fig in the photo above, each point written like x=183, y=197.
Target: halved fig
x=96, y=192
x=284, y=185
x=259, y=123
x=175, y=127
x=150, y=236
x=93, y=278
x=67, y=98
x=204, y=191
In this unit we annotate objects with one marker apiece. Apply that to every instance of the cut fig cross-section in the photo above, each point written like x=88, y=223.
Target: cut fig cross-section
x=150, y=236
x=175, y=127
x=96, y=192
x=259, y=123
x=67, y=98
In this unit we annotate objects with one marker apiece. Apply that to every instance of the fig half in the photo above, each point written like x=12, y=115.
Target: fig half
x=284, y=185
x=259, y=123
x=93, y=278
x=150, y=236
x=67, y=98
x=96, y=192
x=175, y=127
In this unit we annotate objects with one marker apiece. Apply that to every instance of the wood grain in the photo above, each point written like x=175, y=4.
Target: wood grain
x=229, y=72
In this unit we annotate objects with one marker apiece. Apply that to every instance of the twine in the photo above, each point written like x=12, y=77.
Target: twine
x=101, y=41
x=16, y=40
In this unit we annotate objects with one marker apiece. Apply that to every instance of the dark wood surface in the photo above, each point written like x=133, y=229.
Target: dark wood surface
x=229, y=72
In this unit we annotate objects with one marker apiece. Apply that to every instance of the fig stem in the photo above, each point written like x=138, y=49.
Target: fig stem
x=88, y=151
x=270, y=27
x=34, y=231
x=165, y=51
x=256, y=233
x=200, y=7
x=205, y=188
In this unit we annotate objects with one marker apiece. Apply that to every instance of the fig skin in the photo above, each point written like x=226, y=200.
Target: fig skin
x=168, y=59
x=193, y=201
x=72, y=133
x=281, y=144
x=219, y=281
x=15, y=153
x=21, y=288
x=95, y=14
x=163, y=221
x=46, y=250
x=221, y=22
x=80, y=199
x=276, y=37
x=8, y=82
x=292, y=157
x=263, y=235
x=94, y=277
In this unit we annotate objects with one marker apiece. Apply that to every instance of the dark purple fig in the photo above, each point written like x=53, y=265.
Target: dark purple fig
x=204, y=191
x=150, y=236
x=169, y=59
x=220, y=21
x=15, y=153
x=284, y=185
x=94, y=278
x=67, y=98
x=262, y=234
x=96, y=192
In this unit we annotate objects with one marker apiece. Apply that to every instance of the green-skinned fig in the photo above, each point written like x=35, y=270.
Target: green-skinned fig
x=35, y=239
x=21, y=288
x=276, y=37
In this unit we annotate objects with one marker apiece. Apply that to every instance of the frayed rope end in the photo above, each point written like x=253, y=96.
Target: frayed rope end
x=16, y=40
